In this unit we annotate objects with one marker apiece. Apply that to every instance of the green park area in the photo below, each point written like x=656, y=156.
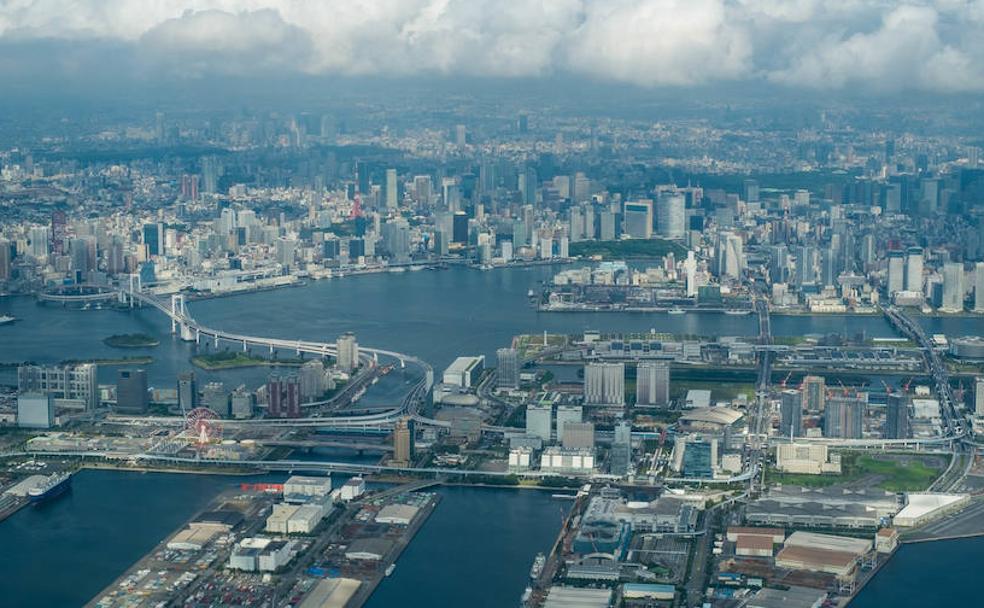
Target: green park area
x=891, y=472
x=627, y=249
x=234, y=360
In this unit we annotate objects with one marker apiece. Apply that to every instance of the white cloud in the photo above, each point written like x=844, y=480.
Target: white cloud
x=923, y=44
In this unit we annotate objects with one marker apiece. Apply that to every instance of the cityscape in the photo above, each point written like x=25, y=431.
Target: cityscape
x=543, y=304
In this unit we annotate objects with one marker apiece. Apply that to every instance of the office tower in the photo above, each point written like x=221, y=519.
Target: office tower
x=979, y=396
x=73, y=385
x=750, y=191
x=806, y=266
x=670, y=215
x=897, y=417
x=6, y=261
x=690, y=272
x=604, y=384
x=284, y=394
x=791, y=414
x=620, y=456
x=731, y=255
x=653, y=383
x=914, y=269
x=460, y=136
x=979, y=287
x=575, y=224
x=814, y=394
x=392, y=202
x=953, y=291
x=58, y=222
x=396, y=239
x=153, y=238
x=39, y=241
x=35, y=410
x=215, y=398
x=422, y=189
x=700, y=457
x=507, y=368
x=546, y=247
x=567, y=414
x=637, y=219
x=241, y=403
x=896, y=272
x=539, y=421
x=607, y=225
x=311, y=375
x=527, y=185
x=286, y=251
x=523, y=123
x=441, y=245
x=347, y=355
x=844, y=417
x=131, y=391
x=403, y=442
x=187, y=391
x=459, y=227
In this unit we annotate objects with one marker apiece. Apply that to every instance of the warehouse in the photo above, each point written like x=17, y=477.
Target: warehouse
x=331, y=593
x=922, y=507
x=397, y=514
x=277, y=521
x=560, y=596
x=750, y=545
x=192, y=538
x=777, y=535
x=369, y=549
x=856, y=546
x=263, y=554
x=641, y=591
x=353, y=488
x=794, y=597
x=305, y=519
x=304, y=489
x=464, y=372
x=838, y=563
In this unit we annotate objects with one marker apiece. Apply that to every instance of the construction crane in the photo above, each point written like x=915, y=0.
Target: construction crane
x=785, y=380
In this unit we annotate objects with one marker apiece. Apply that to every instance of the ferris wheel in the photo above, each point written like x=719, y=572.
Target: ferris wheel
x=203, y=425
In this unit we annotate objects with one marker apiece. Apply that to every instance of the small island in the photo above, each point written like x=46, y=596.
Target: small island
x=131, y=341
x=235, y=360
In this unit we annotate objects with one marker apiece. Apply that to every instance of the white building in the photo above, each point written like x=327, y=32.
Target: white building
x=305, y=489
x=560, y=460
x=464, y=372
x=35, y=410
x=604, y=384
x=353, y=488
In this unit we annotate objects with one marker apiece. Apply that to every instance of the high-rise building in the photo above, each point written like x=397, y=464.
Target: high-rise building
x=187, y=391
x=653, y=383
x=347, y=357
x=392, y=200
x=670, y=216
x=896, y=272
x=284, y=394
x=131, y=391
x=73, y=385
x=539, y=421
x=604, y=384
x=620, y=455
x=791, y=414
x=844, y=417
x=507, y=368
x=814, y=394
x=153, y=238
x=403, y=442
x=215, y=398
x=312, y=378
x=979, y=287
x=567, y=414
x=897, y=417
x=578, y=436
x=979, y=396
x=6, y=261
x=241, y=403
x=914, y=269
x=953, y=290
x=637, y=219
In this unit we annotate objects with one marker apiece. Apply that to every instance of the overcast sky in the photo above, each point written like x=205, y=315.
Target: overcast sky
x=836, y=45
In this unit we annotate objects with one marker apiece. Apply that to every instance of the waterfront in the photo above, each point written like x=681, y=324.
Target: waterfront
x=80, y=543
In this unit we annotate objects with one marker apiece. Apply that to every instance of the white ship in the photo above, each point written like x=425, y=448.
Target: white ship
x=5, y=319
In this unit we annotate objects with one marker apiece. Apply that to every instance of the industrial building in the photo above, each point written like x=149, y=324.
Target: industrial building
x=261, y=554
x=397, y=514
x=299, y=489
x=352, y=488
x=369, y=549
x=561, y=460
x=464, y=372
x=793, y=597
x=924, y=506
x=798, y=507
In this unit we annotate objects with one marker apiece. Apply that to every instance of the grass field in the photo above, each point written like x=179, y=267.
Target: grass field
x=230, y=360
x=891, y=472
x=632, y=248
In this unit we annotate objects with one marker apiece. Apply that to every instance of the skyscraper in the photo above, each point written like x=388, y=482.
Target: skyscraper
x=284, y=393
x=131, y=391
x=896, y=272
x=844, y=417
x=153, y=238
x=670, y=215
x=539, y=421
x=403, y=442
x=392, y=202
x=914, y=269
x=953, y=290
x=897, y=417
x=814, y=394
x=620, y=456
x=791, y=414
x=653, y=383
x=347, y=357
x=604, y=384
x=567, y=414
x=979, y=287
x=187, y=391
x=637, y=219
x=507, y=368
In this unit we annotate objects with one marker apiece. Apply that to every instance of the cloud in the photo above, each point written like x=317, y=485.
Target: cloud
x=929, y=45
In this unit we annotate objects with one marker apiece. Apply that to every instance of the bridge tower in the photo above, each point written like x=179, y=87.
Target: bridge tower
x=134, y=286
x=178, y=315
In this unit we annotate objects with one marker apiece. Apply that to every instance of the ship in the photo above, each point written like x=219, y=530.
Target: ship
x=52, y=487
x=390, y=569
x=538, y=563
x=676, y=311
x=4, y=319
x=733, y=311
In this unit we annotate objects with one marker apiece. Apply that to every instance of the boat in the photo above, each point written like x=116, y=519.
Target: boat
x=530, y=294
x=6, y=319
x=527, y=594
x=390, y=569
x=732, y=311
x=53, y=486
x=538, y=563
x=676, y=311
x=564, y=496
